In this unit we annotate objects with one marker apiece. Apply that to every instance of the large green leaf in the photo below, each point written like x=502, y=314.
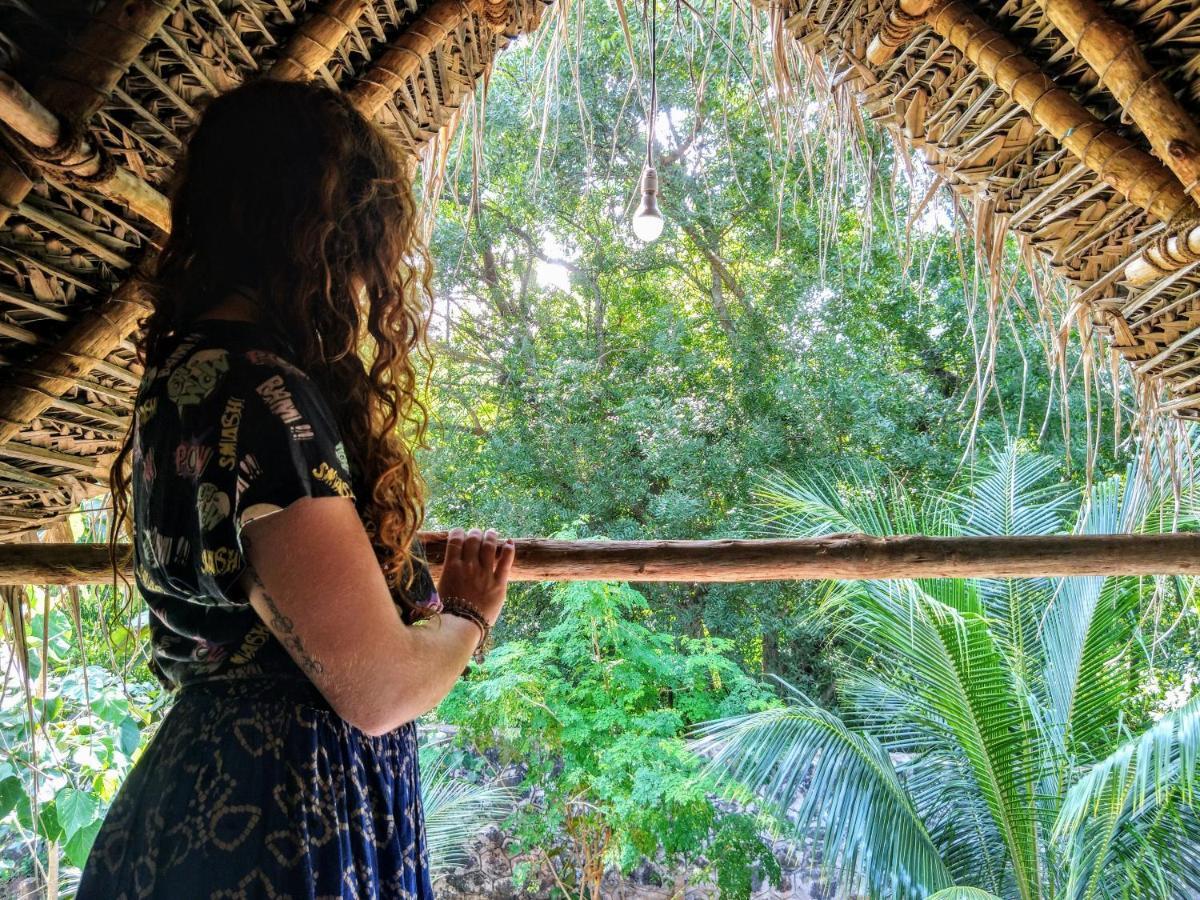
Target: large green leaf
x=836, y=786
x=1144, y=788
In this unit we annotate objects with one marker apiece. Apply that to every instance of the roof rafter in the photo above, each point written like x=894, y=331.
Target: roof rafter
x=56, y=137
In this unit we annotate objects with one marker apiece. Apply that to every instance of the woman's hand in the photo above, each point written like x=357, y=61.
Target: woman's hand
x=476, y=569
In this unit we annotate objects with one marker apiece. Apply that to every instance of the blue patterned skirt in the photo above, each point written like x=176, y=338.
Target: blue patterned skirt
x=255, y=788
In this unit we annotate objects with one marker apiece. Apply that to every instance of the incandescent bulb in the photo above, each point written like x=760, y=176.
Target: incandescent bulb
x=648, y=221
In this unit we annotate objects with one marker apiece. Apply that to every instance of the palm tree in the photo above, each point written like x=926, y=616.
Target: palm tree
x=983, y=745
x=455, y=809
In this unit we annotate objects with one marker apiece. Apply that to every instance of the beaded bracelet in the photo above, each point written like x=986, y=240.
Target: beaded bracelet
x=464, y=609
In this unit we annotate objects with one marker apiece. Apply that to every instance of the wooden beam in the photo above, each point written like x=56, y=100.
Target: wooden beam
x=1112, y=51
x=92, y=338
x=404, y=56
x=78, y=88
x=316, y=41
x=103, y=329
x=41, y=128
x=1116, y=160
x=842, y=557
x=1174, y=249
x=80, y=83
x=905, y=17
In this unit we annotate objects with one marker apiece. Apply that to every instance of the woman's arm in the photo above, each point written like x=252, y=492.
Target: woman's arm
x=313, y=578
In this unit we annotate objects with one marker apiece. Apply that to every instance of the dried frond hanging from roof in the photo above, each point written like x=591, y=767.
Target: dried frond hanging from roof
x=1073, y=123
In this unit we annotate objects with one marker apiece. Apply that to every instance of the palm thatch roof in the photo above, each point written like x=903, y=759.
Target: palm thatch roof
x=96, y=98
x=1068, y=123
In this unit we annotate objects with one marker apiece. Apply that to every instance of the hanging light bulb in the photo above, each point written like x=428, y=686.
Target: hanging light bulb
x=648, y=221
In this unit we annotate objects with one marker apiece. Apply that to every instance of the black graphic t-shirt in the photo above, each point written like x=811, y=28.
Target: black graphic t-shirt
x=226, y=430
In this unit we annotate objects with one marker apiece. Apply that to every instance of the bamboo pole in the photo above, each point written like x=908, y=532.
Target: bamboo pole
x=316, y=41
x=841, y=557
x=898, y=26
x=1116, y=160
x=41, y=128
x=81, y=82
x=404, y=57
x=100, y=331
x=1172, y=251
x=79, y=87
x=1112, y=51
x=54, y=371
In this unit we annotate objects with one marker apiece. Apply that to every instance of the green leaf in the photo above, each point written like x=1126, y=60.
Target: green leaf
x=851, y=796
x=963, y=893
x=111, y=708
x=129, y=738
x=49, y=826
x=76, y=809
x=79, y=845
x=11, y=792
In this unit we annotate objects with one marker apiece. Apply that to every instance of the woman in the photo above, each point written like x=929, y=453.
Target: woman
x=275, y=505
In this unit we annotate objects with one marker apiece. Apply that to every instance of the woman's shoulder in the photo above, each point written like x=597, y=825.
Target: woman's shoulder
x=229, y=355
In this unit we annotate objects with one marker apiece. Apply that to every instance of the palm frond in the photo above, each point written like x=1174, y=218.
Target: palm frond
x=455, y=810
x=1127, y=796
x=941, y=641
x=963, y=893
x=1143, y=769
x=1015, y=493
x=860, y=501
x=1088, y=628
x=833, y=784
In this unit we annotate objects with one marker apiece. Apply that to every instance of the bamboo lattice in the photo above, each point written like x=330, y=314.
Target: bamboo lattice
x=98, y=98
x=1038, y=113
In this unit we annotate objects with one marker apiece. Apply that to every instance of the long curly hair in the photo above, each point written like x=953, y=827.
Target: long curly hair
x=286, y=189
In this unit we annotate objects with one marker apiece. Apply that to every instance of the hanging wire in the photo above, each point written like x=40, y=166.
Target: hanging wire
x=653, y=82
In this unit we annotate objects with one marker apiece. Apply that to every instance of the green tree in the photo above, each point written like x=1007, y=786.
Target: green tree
x=596, y=708
x=992, y=732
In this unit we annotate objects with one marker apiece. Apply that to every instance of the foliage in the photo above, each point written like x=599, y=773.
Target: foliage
x=992, y=733
x=57, y=780
x=788, y=318
x=455, y=808
x=594, y=708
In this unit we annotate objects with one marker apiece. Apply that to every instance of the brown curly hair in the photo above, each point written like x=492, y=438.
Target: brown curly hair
x=288, y=190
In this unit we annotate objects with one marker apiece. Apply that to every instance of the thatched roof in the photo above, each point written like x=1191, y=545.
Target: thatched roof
x=96, y=97
x=1070, y=123
x=1066, y=122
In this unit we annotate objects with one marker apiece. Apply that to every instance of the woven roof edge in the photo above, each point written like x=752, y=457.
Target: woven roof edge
x=412, y=80
x=1069, y=124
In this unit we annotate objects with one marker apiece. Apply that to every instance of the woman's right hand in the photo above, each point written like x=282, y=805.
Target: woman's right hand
x=476, y=568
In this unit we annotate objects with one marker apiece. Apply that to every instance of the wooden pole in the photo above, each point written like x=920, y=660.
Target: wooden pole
x=1112, y=51
x=405, y=55
x=316, y=41
x=78, y=88
x=842, y=557
x=41, y=128
x=100, y=331
x=1172, y=251
x=905, y=17
x=1115, y=159
x=53, y=372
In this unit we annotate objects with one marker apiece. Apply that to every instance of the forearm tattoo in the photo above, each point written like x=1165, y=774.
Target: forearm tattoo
x=283, y=626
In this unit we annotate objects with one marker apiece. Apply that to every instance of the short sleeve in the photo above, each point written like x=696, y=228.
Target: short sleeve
x=288, y=445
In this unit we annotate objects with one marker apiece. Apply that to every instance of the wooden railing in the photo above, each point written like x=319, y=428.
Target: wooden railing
x=845, y=557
